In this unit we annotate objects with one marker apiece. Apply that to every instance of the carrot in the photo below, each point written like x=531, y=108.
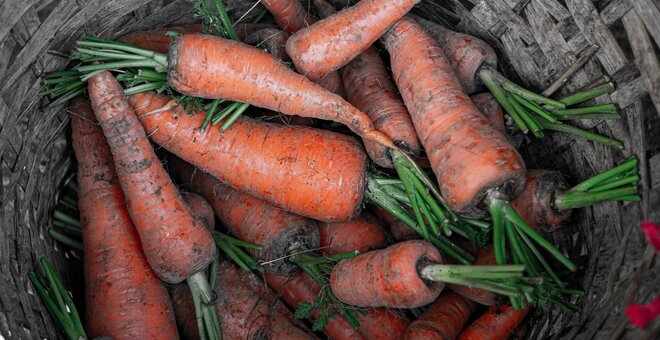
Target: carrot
x=547, y=201
x=399, y=230
x=475, y=62
x=280, y=233
x=378, y=323
x=187, y=247
x=498, y=323
x=289, y=14
x=331, y=43
x=443, y=320
x=243, y=313
x=371, y=90
x=361, y=234
x=272, y=41
x=301, y=288
x=200, y=208
x=468, y=155
x=317, y=194
x=117, y=273
x=411, y=274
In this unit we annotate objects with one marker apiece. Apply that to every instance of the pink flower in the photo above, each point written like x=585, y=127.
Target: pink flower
x=652, y=232
x=641, y=315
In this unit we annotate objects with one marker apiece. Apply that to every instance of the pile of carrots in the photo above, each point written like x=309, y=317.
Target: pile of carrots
x=342, y=195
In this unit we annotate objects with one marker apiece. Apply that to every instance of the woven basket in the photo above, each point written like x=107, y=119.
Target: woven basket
x=537, y=40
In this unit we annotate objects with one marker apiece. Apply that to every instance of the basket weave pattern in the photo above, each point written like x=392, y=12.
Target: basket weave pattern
x=537, y=40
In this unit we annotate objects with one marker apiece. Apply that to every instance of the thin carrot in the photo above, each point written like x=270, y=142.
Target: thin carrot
x=157, y=39
x=243, y=313
x=279, y=232
x=444, y=319
x=200, y=208
x=332, y=42
x=491, y=109
x=117, y=273
x=177, y=246
x=469, y=156
x=498, y=323
x=362, y=234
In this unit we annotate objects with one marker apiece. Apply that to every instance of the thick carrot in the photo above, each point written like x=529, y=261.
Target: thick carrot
x=157, y=39
x=255, y=77
x=243, y=313
x=399, y=230
x=383, y=323
x=362, y=234
x=302, y=288
x=289, y=14
x=124, y=297
x=491, y=109
x=280, y=164
x=278, y=232
x=387, y=277
x=468, y=155
x=200, y=208
x=536, y=202
x=175, y=243
x=498, y=323
x=485, y=257
x=466, y=54
x=443, y=320
x=332, y=42
x=371, y=90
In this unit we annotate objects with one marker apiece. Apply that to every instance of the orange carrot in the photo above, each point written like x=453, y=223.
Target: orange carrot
x=362, y=234
x=176, y=244
x=289, y=14
x=443, y=320
x=124, y=297
x=468, y=155
x=498, y=323
x=243, y=313
x=157, y=39
x=332, y=42
x=371, y=90
x=302, y=288
x=491, y=109
x=383, y=323
x=269, y=161
x=536, y=202
x=279, y=233
x=387, y=277
x=200, y=208
x=466, y=54
x=255, y=77
x=272, y=41
x=399, y=230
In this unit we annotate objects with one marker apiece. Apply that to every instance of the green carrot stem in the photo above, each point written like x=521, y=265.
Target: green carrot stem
x=614, y=184
x=238, y=242
x=213, y=273
x=224, y=113
x=433, y=205
x=532, y=106
x=388, y=181
x=540, y=258
x=630, y=163
x=605, y=108
x=199, y=317
x=405, y=174
x=516, y=247
x=529, y=119
x=209, y=114
x=344, y=255
x=61, y=80
x=68, y=229
x=87, y=69
x=572, y=200
x=61, y=216
x=452, y=249
x=110, y=55
x=69, y=205
x=557, y=126
x=511, y=214
x=496, y=209
x=62, y=88
x=376, y=195
x=51, y=277
x=58, y=314
x=397, y=193
x=68, y=96
x=426, y=211
x=583, y=96
x=121, y=46
x=628, y=198
x=519, y=90
x=477, y=223
x=503, y=99
x=592, y=116
x=232, y=118
x=225, y=20
x=439, y=274
x=70, y=306
x=62, y=238
x=61, y=73
x=156, y=86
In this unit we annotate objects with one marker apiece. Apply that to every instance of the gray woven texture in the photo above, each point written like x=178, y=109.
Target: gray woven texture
x=537, y=40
